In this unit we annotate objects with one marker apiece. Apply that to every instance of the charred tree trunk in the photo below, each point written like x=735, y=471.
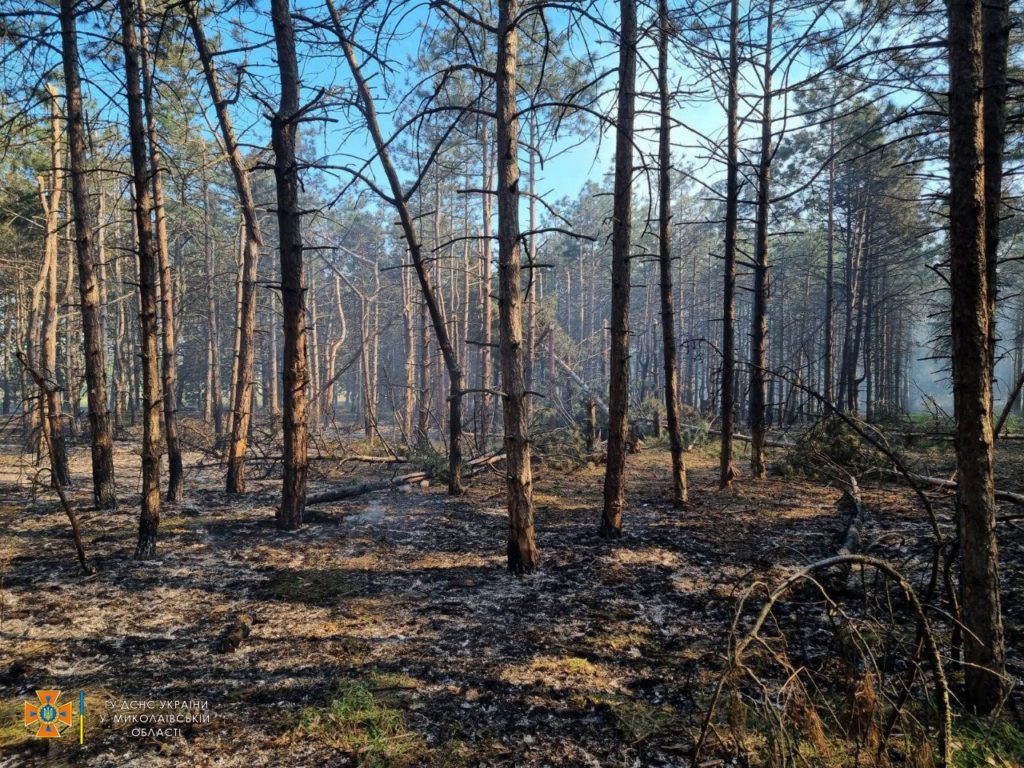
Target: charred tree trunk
x=149, y=519
x=732, y=191
x=984, y=671
x=104, y=490
x=668, y=325
x=169, y=363
x=284, y=127
x=622, y=225
x=759, y=324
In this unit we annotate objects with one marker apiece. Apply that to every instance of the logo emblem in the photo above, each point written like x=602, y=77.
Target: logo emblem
x=48, y=714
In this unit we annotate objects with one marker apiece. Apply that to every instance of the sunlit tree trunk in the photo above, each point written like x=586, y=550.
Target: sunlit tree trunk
x=242, y=382
x=522, y=550
x=622, y=224
x=289, y=222
x=668, y=325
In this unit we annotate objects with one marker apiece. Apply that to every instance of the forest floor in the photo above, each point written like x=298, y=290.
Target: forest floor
x=387, y=630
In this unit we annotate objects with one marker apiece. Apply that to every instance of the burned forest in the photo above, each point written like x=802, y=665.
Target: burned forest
x=511, y=383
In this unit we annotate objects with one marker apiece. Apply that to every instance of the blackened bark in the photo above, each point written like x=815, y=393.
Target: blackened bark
x=759, y=323
x=149, y=518
x=728, y=384
x=984, y=669
x=169, y=362
x=622, y=225
x=104, y=489
x=668, y=324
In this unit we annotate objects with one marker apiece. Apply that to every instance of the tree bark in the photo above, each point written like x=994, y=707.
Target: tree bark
x=972, y=364
x=622, y=225
x=149, y=519
x=284, y=127
x=759, y=324
x=169, y=362
x=102, y=443
x=51, y=189
x=246, y=320
x=668, y=325
x=728, y=383
x=522, y=549
x=399, y=199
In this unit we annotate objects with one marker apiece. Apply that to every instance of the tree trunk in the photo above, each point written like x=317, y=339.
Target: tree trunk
x=51, y=189
x=149, y=519
x=829, y=344
x=484, y=401
x=984, y=670
x=668, y=325
x=430, y=296
x=104, y=490
x=759, y=324
x=169, y=368
x=995, y=30
x=726, y=469
x=246, y=319
x=212, y=409
x=622, y=225
x=284, y=127
x=522, y=550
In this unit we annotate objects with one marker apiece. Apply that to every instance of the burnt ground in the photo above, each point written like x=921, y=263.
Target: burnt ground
x=387, y=631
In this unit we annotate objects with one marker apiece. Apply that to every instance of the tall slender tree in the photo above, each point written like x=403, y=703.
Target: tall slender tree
x=149, y=519
x=101, y=438
x=522, y=548
x=668, y=313
x=622, y=226
x=284, y=127
x=985, y=665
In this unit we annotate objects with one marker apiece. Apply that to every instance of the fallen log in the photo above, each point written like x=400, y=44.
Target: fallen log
x=941, y=482
x=747, y=439
x=361, y=459
x=854, y=513
x=361, y=489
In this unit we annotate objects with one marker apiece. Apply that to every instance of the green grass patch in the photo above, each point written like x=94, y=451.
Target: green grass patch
x=365, y=719
x=987, y=744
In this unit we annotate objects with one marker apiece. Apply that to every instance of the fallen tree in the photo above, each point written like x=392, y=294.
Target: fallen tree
x=941, y=482
x=413, y=478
